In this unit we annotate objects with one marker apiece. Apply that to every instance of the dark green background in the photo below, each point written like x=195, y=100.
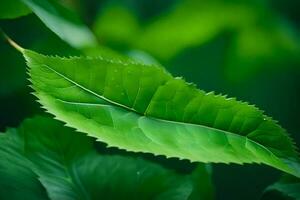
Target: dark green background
x=273, y=87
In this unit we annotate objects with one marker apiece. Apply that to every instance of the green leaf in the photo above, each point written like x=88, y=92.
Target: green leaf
x=69, y=167
x=68, y=26
x=63, y=22
x=143, y=108
x=288, y=186
x=10, y=9
x=17, y=180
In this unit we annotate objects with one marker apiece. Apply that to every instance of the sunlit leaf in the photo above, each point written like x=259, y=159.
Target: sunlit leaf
x=143, y=108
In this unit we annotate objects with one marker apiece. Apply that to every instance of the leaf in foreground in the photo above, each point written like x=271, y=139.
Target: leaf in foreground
x=68, y=167
x=143, y=108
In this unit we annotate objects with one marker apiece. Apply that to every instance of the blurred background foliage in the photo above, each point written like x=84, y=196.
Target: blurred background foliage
x=249, y=49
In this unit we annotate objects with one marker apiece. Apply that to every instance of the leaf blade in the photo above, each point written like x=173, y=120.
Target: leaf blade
x=99, y=97
x=18, y=181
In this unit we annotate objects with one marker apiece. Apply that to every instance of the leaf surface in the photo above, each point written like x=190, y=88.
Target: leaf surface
x=143, y=108
x=17, y=180
x=69, y=167
x=67, y=25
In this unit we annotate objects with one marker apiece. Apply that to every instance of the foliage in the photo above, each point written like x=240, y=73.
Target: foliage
x=63, y=22
x=156, y=113
x=42, y=155
x=258, y=35
x=288, y=186
x=101, y=69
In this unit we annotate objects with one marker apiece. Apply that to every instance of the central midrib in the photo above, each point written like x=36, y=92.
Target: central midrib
x=138, y=113
x=124, y=106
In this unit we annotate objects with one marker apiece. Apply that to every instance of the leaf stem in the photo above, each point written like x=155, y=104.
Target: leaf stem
x=12, y=43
